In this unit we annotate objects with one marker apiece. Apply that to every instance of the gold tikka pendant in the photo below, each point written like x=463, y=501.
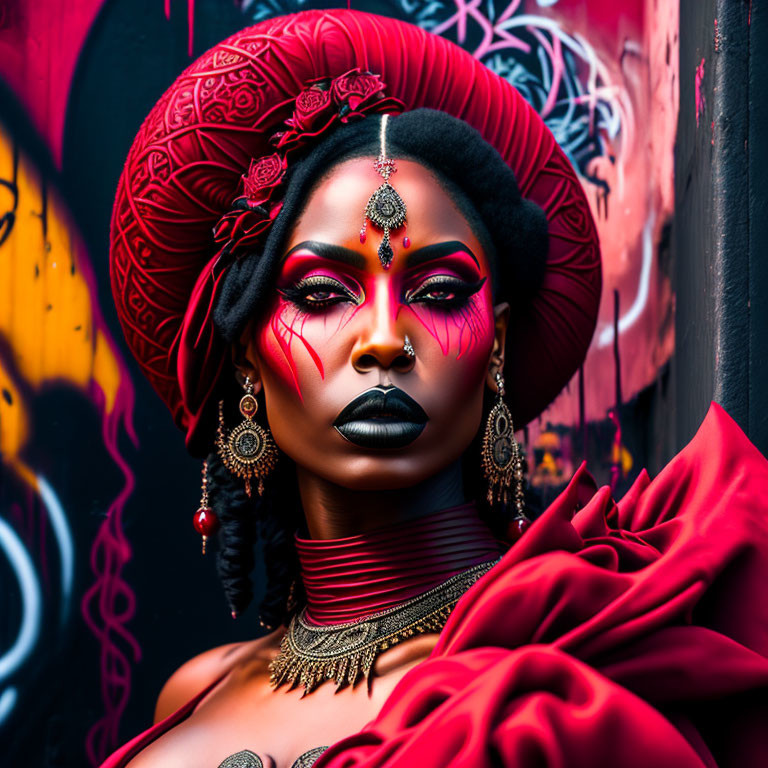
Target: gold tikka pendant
x=386, y=209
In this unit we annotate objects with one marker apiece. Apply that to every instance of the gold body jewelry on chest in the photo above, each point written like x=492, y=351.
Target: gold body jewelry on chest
x=247, y=759
x=310, y=654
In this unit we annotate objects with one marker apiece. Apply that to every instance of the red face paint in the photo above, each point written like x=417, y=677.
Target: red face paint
x=318, y=298
x=337, y=323
x=456, y=304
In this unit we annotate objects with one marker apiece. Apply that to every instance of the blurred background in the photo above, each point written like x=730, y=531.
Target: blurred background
x=103, y=592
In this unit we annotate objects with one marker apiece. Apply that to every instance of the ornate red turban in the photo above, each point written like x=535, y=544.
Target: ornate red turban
x=184, y=171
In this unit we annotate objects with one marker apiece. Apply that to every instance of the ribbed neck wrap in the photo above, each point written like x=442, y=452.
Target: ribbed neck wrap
x=353, y=577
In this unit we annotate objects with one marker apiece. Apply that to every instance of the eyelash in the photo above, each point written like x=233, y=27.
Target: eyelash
x=459, y=292
x=299, y=294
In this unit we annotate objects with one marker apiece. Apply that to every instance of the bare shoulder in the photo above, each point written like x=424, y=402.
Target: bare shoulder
x=205, y=668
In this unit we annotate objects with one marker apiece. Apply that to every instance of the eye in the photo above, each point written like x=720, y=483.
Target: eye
x=318, y=292
x=444, y=291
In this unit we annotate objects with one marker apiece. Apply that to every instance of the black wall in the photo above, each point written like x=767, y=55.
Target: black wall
x=720, y=236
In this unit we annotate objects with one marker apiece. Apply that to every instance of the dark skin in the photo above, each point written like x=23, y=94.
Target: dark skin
x=336, y=328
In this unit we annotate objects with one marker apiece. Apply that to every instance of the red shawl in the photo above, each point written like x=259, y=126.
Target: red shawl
x=625, y=635
x=629, y=634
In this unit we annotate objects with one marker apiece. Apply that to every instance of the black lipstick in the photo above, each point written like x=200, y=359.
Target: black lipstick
x=382, y=417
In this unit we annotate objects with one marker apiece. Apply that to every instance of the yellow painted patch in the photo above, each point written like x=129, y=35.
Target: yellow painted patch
x=47, y=322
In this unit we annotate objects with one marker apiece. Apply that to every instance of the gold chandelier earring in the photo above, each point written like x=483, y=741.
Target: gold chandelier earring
x=503, y=460
x=248, y=450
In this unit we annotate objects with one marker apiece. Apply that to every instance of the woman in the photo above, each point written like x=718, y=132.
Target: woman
x=381, y=290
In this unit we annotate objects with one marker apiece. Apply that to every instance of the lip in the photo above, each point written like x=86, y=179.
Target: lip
x=381, y=417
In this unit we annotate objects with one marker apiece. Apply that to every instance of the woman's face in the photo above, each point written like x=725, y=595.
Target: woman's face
x=343, y=398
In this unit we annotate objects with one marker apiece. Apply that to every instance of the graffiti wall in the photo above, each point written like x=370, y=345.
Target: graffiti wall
x=102, y=589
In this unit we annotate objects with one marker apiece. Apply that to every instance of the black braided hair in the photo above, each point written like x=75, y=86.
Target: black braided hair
x=513, y=233
x=244, y=521
x=238, y=518
x=277, y=529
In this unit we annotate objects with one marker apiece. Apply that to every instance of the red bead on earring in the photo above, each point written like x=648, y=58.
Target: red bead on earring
x=205, y=520
x=517, y=527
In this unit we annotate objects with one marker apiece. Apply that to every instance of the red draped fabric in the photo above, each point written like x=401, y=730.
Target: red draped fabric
x=624, y=635
x=629, y=634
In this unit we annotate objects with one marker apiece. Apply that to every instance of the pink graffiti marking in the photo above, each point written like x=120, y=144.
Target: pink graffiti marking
x=555, y=53
x=616, y=450
x=110, y=597
x=190, y=21
x=699, y=96
x=471, y=10
x=109, y=603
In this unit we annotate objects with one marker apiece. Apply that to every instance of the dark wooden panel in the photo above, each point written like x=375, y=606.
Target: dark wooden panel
x=758, y=225
x=717, y=336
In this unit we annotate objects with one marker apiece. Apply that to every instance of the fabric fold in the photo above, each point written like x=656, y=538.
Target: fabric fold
x=620, y=635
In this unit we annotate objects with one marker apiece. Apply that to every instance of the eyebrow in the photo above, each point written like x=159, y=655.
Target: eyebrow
x=331, y=252
x=438, y=250
x=347, y=256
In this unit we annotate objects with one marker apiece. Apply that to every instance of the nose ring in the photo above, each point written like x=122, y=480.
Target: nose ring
x=408, y=348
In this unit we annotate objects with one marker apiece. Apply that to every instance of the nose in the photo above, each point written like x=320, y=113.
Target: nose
x=382, y=343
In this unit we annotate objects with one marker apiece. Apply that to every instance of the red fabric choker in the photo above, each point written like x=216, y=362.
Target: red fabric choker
x=356, y=576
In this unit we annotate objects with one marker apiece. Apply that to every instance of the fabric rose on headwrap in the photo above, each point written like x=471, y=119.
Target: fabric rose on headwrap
x=312, y=108
x=263, y=176
x=355, y=88
x=325, y=102
x=242, y=227
x=251, y=214
x=321, y=104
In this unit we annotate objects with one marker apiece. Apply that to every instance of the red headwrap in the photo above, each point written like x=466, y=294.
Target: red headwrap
x=185, y=167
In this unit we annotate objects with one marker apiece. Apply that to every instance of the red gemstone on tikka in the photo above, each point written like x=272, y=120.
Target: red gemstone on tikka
x=205, y=521
x=362, y=236
x=406, y=242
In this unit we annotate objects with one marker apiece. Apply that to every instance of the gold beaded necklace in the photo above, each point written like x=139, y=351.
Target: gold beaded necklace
x=310, y=654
